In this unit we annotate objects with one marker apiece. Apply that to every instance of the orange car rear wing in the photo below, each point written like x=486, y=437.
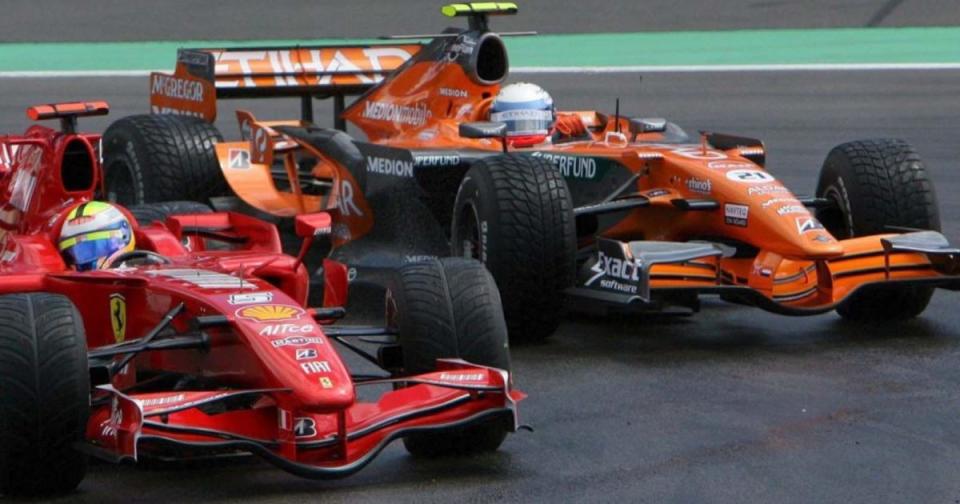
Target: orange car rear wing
x=203, y=75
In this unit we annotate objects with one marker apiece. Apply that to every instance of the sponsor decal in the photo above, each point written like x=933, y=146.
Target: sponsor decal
x=341, y=231
x=436, y=159
x=203, y=278
x=270, y=313
x=306, y=353
x=326, y=382
x=453, y=92
x=302, y=66
x=731, y=165
x=407, y=259
x=262, y=153
x=24, y=181
x=386, y=166
x=175, y=87
x=297, y=341
x=345, y=203
x=792, y=209
x=251, y=298
x=156, y=109
x=698, y=152
x=656, y=193
x=778, y=201
x=736, y=215
x=767, y=189
x=571, y=166
x=304, y=427
x=161, y=401
x=462, y=377
x=315, y=367
x=760, y=270
x=805, y=224
x=464, y=45
x=750, y=176
x=415, y=115
x=238, y=159
x=118, y=317
x=427, y=134
x=822, y=238
x=611, y=270
x=702, y=186
x=281, y=329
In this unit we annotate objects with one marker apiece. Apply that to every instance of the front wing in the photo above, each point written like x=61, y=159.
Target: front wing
x=649, y=276
x=312, y=444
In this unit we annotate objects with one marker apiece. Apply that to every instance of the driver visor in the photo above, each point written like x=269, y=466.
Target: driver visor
x=84, y=250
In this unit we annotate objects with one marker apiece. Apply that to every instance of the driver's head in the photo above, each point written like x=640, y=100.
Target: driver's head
x=94, y=232
x=527, y=110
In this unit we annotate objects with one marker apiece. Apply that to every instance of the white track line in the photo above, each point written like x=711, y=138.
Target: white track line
x=816, y=67
x=820, y=67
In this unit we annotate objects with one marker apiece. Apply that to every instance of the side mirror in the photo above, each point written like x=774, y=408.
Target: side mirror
x=483, y=129
x=310, y=227
x=313, y=225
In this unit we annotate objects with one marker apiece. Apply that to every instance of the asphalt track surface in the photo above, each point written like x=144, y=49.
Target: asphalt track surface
x=117, y=20
x=731, y=405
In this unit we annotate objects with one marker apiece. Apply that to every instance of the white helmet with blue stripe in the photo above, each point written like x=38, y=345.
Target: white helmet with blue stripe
x=526, y=109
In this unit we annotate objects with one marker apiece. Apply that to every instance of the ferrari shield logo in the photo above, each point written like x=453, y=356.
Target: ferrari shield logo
x=118, y=317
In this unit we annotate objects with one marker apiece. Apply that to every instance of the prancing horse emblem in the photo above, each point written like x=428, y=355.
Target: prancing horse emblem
x=118, y=317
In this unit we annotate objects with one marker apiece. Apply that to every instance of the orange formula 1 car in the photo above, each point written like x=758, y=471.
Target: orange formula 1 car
x=632, y=213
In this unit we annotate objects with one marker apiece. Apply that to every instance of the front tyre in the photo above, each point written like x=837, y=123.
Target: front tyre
x=515, y=213
x=44, y=394
x=450, y=308
x=872, y=185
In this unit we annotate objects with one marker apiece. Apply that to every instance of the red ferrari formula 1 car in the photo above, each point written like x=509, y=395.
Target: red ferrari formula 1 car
x=197, y=341
x=630, y=213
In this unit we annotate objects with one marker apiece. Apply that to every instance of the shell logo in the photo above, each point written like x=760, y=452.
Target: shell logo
x=270, y=313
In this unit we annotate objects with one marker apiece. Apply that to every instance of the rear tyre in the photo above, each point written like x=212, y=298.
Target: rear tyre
x=450, y=308
x=873, y=184
x=149, y=213
x=515, y=214
x=44, y=403
x=153, y=158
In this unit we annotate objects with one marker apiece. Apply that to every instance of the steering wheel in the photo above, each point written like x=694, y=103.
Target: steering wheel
x=138, y=257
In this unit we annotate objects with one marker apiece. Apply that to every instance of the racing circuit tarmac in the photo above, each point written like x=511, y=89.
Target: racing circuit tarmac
x=730, y=405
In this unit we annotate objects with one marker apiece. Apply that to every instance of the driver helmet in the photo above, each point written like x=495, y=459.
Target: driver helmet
x=93, y=233
x=527, y=110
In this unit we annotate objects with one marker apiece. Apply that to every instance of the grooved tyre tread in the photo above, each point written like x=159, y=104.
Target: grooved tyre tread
x=149, y=213
x=165, y=157
x=450, y=308
x=44, y=394
x=529, y=244
x=875, y=184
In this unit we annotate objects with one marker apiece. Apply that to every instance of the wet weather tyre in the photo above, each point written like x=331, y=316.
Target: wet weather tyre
x=450, y=308
x=872, y=185
x=44, y=394
x=153, y=158
x=149, y=213
x=515, y=213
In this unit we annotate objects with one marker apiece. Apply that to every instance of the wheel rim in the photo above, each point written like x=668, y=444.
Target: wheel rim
x=468, y=233
x=119, y=185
